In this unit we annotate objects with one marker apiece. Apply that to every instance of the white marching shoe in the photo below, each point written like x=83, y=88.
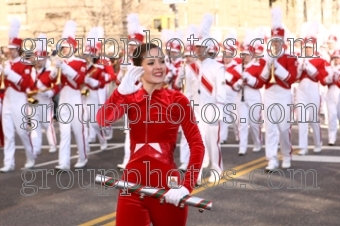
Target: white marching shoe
x=257, y=149
x=63, y=168
x=303, y=152
x=272, y=165
x=80, y=163
x=29, y=163
x=103, y=145
x=318, y=149
x=52, y=149
x=286, y=163
x=121, y=166
x=7, y=168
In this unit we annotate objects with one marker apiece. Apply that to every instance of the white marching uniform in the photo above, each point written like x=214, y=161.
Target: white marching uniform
x=44, y=112
x=231, y=99
x=210, y=77
x=17, y=81
x=277, y=98
x=73, y=74
x=254, y=74
x=310, y=73
x=333, y=106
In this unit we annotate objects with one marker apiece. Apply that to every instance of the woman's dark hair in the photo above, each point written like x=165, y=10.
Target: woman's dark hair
x=140, y=51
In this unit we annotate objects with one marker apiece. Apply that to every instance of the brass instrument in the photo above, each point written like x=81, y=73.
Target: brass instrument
x=86, y=91
x=183, y=82
x=272, y=74
x=242, y=88
x=2, y=86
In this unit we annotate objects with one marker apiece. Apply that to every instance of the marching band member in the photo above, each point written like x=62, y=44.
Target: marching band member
x=255, y=69
x=45, y=90
x=332, y=99
x=94, y=80
x=212, y=92
x=136, y=37
x=73, y=71
x=311, y=71
x=153, y=144
x=230, y=62
x=283, y=70
x=17, y=82
x=103, y=61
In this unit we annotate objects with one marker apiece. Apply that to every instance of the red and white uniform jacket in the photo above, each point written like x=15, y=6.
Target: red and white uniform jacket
x=230, y=69
x=97, y=77
x=153, y=144
x=314, y=69
x=19, y=76
x=285, y=71
x=73, y=72
x=172, y=72
x=43, y=80
x=206, y=84
x=109, y=73
x=336, y=75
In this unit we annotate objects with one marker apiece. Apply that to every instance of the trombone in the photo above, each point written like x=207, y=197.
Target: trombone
x=2, y=86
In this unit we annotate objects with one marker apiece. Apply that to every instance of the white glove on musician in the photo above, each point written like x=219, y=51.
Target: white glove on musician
x=48, y=94
x=67, y=70
x=310, y=69
x=92, y=82
x=174, y=195
x=280, y=71
x=168, y=77
x=128, y=84
x=237, y=85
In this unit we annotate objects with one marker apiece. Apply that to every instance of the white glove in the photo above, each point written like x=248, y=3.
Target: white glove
x=174, y=195
x=168, y=77
x=7, y=69
x=329, y=79
x=48, y=94
x=91, y=82
x=128, y=84
x=237, y=85
x=107, y=77
x=58, y=62
x=68, y=71
x=311, y=70
x=11, y=75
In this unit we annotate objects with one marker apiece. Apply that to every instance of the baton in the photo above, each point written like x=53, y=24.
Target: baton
x=188, y=200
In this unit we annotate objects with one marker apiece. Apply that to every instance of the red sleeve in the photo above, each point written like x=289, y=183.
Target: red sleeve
x=291, y=67
x=80, y=68
x=112, y=110
x=56, y=89
x=235, y=74
x=320, y=65
x=193, y=136
x=26, y=80
x=101, y=79
x=109, y=69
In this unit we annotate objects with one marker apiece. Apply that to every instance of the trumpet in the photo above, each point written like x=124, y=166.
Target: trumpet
x=86, y=91
x=2, y=86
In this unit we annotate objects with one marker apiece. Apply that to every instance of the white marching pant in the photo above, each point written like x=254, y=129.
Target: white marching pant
x=92, y=105
x=72, y=114
x=308, y=94
x=332, y=100
x=13, y=120
x=43, y=114
x=250, y=114
x=103, y=95
x=277, y=122
x=229, y=117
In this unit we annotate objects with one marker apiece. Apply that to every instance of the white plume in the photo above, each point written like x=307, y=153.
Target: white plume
x=91, y=37
x=41, y=43
x=191, y=30
x=206, y=24
x=232, y=34
x=217, y=35
x=276, y=17
x=304, y=29
x=100, y=32
x=70, y=29
x=167, y=35
x=133, y=24
x=14, y=28
x=249, y=36
x=313, y=29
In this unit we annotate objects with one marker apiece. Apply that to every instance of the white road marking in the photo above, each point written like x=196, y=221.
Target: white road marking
x=115, y=146
x=316, y=158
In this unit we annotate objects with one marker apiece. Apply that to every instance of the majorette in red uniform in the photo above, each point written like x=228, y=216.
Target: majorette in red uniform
x=253, y=75
x=333, y=100
x=94, y=80
x=230, y=61
x=18, y=81
x=277, y=91
x=45, y=86
x=135, y=37
x=73, y=71
x=153, y=144
x=312, y=71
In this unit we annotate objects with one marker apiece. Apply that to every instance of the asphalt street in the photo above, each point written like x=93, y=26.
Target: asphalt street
x=246, y=195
